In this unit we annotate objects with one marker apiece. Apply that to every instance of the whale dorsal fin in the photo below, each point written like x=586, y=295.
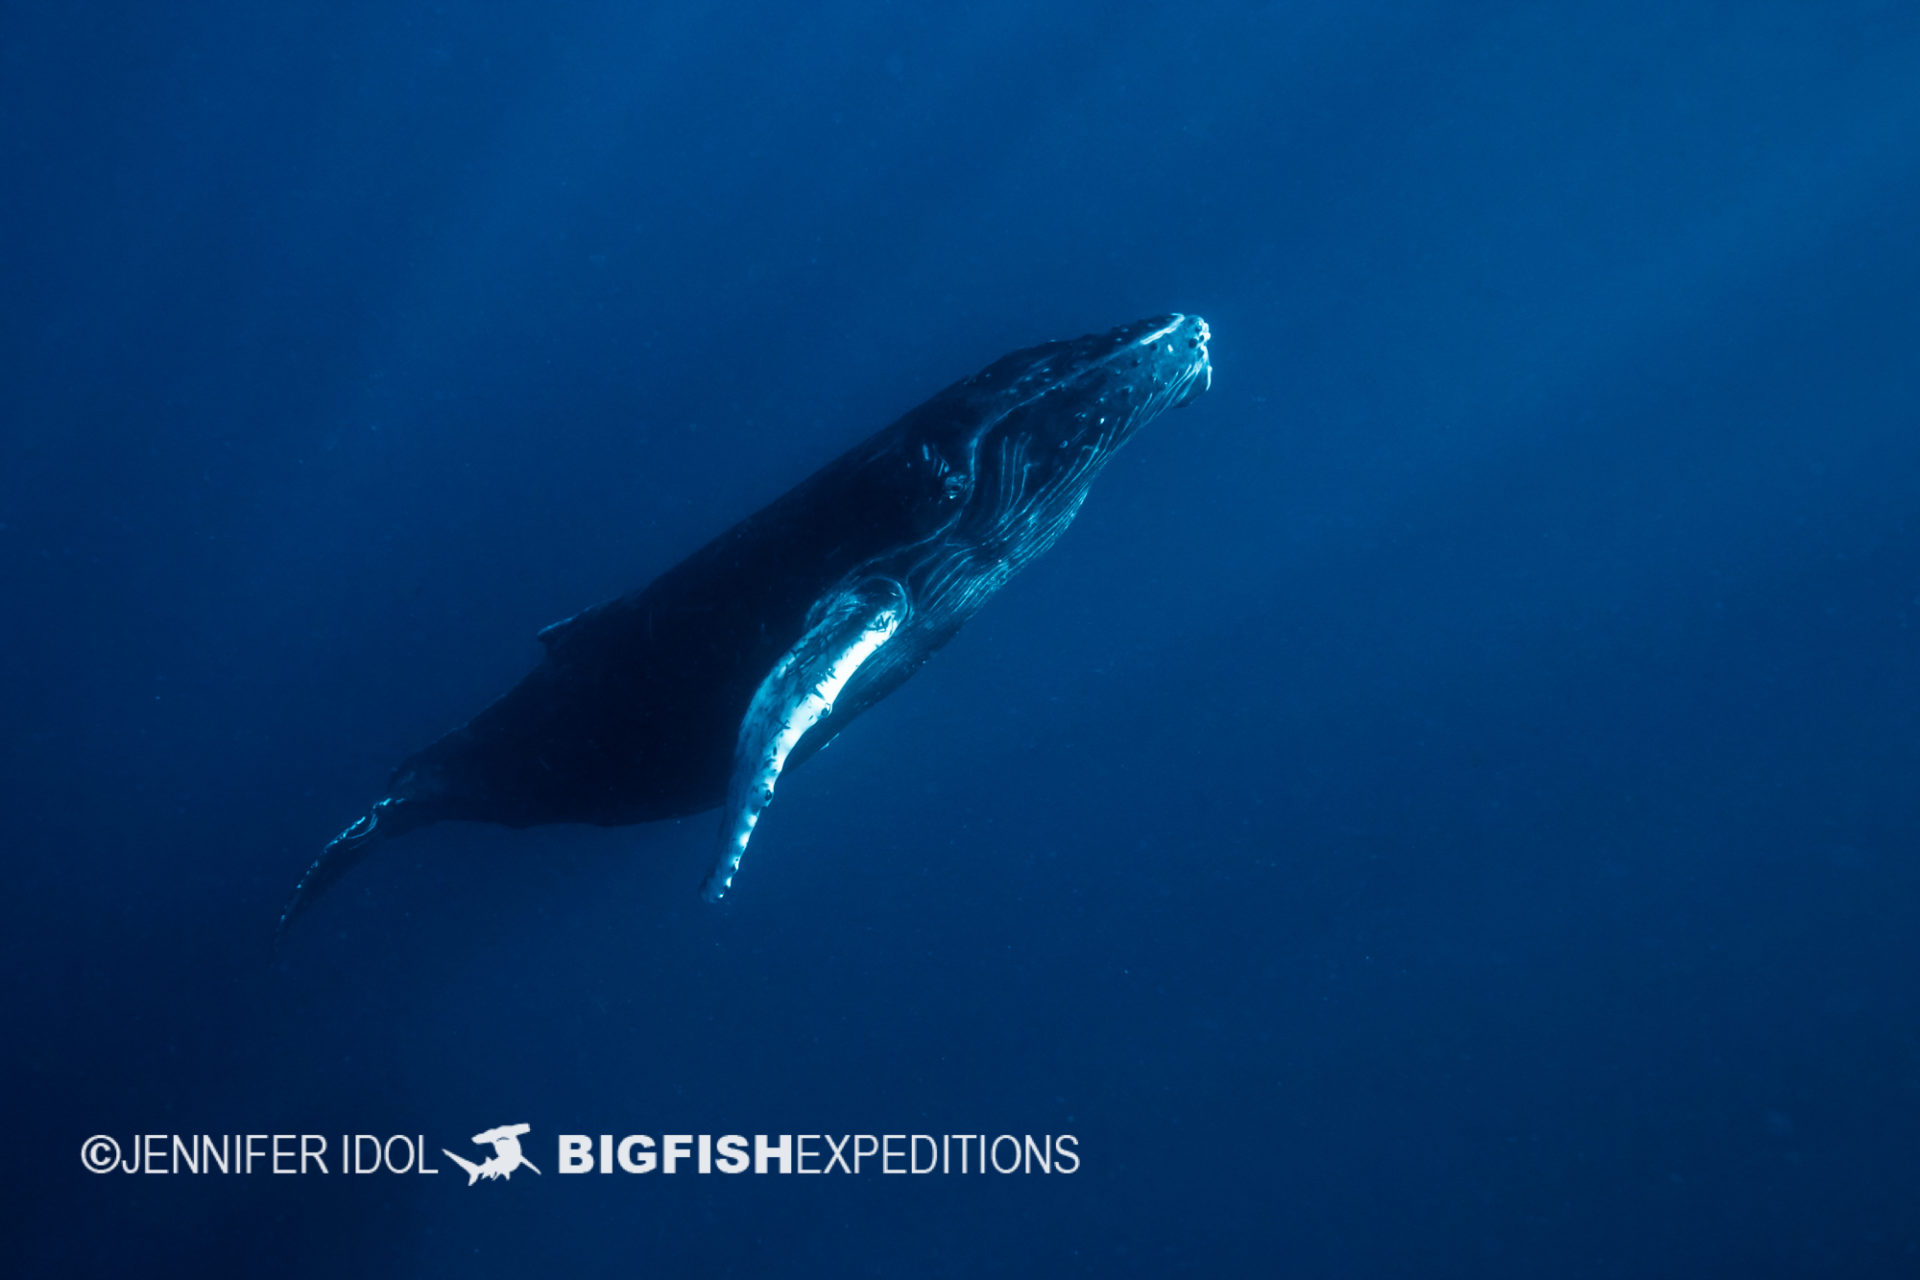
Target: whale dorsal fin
x=847, y=629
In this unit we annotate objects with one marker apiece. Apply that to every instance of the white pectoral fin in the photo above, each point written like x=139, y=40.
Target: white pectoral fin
x=797, y=694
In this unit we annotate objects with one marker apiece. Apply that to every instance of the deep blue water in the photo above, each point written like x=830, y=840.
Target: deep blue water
x=1447, y=808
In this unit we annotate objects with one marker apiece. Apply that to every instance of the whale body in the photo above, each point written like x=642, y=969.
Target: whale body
x=701, y=689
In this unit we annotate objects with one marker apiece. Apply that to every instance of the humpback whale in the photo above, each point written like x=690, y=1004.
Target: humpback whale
x=701, y=689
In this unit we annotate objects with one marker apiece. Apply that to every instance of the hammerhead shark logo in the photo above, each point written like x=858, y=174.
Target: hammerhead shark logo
x=506, y=1156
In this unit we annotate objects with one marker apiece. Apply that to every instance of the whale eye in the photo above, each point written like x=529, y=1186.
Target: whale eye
x=954, y=486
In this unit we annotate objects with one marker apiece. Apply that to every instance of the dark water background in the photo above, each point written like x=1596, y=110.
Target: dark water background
x=1448, y=807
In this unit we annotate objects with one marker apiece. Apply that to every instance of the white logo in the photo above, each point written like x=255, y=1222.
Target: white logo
x=506, y=1156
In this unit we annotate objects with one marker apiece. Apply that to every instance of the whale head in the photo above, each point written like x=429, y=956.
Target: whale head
x=1100, y=389
x=1068, y=406
x=1009, y=454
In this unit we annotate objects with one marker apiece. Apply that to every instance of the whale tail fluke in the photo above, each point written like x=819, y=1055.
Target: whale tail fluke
x=388, y=818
